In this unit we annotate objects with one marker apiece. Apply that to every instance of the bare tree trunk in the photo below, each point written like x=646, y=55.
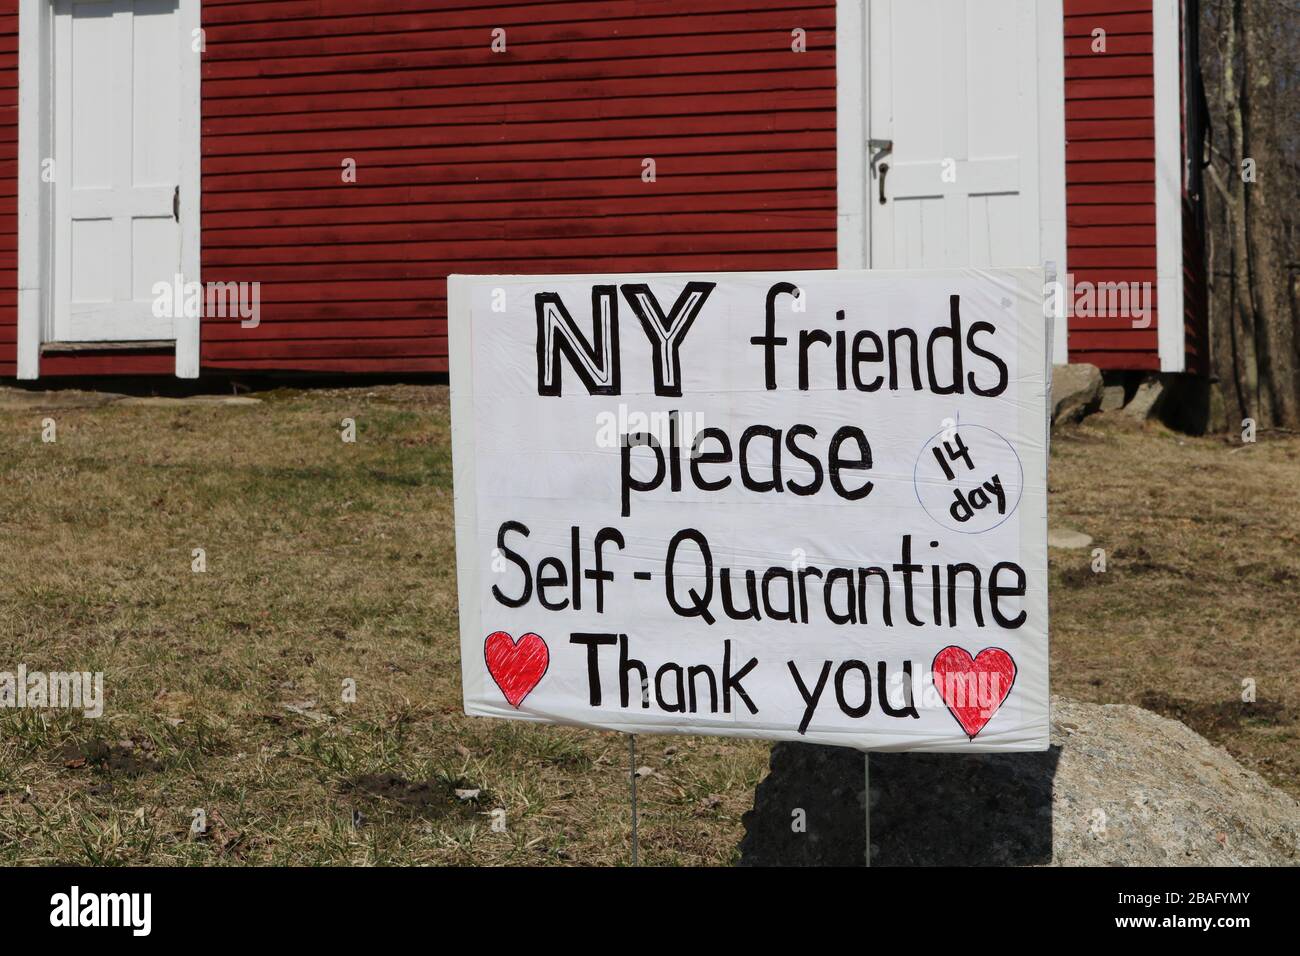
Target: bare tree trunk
x=1229, y=352
x=1261, y=223
x=1242, y=313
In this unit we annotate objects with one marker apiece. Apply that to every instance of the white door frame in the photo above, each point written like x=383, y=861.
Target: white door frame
x=1166, y=41
x=852, y=123
x=35, y=196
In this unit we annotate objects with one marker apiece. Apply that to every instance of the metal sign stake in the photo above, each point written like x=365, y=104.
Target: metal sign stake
x=631, y=765
x=866, y=805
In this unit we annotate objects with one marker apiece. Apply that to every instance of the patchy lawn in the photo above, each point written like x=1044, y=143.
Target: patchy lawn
x=326, y=562
x=330, y=563
x=1200, y=602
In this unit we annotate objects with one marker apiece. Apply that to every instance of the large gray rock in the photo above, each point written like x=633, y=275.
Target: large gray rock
x=1120, y=786
x=1067, y=538
x=163, y=401
x=1145, y=402
x=1076, y=391
x=19, y=399
x=1112, y=398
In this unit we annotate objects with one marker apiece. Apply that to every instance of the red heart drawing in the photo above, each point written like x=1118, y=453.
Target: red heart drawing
x=516, y=666
x=975, y=688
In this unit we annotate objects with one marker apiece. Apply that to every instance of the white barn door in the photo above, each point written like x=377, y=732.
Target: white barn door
x=954, y=92
x=117, y=167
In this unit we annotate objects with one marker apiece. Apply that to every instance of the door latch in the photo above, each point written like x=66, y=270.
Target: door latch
x=880, y=148
x=176, y=204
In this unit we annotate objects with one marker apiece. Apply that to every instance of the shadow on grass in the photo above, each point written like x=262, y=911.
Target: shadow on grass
x=927, y=809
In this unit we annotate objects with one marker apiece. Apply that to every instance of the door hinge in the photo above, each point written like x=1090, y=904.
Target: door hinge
x=176, y=204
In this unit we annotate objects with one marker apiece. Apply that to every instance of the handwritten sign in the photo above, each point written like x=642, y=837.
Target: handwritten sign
x=796, y=506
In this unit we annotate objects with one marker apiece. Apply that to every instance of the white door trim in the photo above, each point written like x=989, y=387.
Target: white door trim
x=853, y=239
x=187, y=327
x=1166, y=44
x=35, y=199
x=35, y=206
x=1051, y=156
x=852, y=123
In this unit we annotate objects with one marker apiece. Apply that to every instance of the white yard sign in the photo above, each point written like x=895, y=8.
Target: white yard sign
x=796, y=506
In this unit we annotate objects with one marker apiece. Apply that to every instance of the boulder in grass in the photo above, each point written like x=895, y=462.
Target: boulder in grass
x=1146, y=400
x=1076, y=392
x=23, y=399
x=1067, y=538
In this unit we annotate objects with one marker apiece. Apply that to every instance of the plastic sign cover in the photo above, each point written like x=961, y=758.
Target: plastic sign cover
x=795, y=506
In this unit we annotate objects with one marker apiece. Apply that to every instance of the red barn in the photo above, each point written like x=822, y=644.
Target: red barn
x=200, y=186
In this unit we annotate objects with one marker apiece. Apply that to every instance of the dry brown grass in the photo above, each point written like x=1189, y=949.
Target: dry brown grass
x=329, y=561
x=326, y=561
x=1202, y=591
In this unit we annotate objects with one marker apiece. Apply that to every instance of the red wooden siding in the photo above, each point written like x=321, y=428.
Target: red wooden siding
x=1110, y=172
x=474, y=161
x=530, y=161
x=9, y=187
